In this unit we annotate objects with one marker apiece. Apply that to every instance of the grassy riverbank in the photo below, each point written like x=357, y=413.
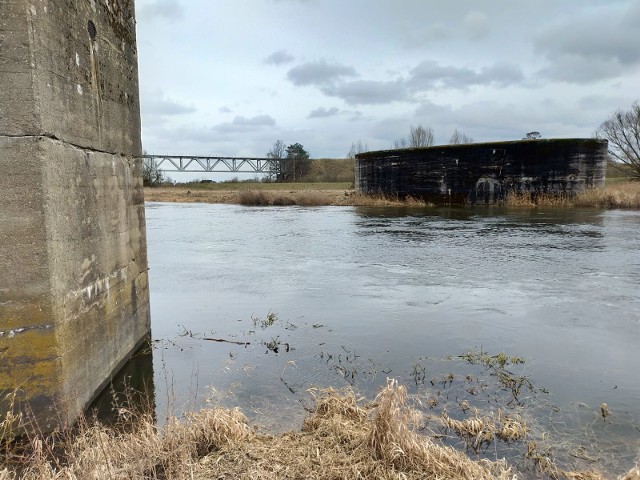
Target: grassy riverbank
x=617, y=194
x=258, y=193
x=344, y=437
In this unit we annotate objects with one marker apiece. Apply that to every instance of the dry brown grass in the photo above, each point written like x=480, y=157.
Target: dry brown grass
x=250, y=196
x=633, y=474
x=275, y=198
x=479, y=431
x=254, y=196
x=516, y=199
x=343, y=438
x=331, y=170
x=616, y=195
x=381, y=200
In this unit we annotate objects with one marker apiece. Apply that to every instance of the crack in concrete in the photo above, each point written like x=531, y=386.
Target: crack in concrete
x=53, y=137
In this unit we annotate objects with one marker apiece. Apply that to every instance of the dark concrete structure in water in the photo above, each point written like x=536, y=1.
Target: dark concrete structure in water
x=484, y=173
x=74, y=300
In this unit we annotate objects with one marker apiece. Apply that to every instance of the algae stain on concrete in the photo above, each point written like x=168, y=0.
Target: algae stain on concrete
x=72, y=210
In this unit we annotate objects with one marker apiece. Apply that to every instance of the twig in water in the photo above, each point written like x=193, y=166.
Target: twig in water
x=226, y=341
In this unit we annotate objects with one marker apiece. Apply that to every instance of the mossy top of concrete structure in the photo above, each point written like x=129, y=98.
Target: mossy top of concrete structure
x=73, y=265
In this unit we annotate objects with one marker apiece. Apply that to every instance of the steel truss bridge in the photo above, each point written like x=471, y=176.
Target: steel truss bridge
x=186, y=163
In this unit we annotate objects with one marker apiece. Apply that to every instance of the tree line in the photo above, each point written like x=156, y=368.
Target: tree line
x=292, y=162
x=423, y=137
x=621, y=129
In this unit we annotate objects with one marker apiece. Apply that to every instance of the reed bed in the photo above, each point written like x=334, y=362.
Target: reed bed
x=264, y=197
x=618, y=195
x=382, y=200
x=274, y=198
x=343, y=437
x=250, y=196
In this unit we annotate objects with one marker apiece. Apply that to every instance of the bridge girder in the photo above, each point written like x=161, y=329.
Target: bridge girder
x=185, y=163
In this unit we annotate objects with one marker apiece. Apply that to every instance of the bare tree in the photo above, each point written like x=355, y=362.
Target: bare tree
x=420, y=136
x=152, y=176
x=402, y=143
x=459, y=137
x=277, y=152
x=622, y=129
x=356, y=148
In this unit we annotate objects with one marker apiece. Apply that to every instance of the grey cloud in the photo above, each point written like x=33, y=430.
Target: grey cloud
x=582, y=70
x=198, y=140
x=324, y=112
x=257, y=121
x=426, y=34
x=280, y=57
x=490, y=120
x=601, y=102
x=430, y=74
x=501, y=74
x=165, y=9
x=319, y=73
x=224, y=110
x=157, y=105
x=476, y=25
x=241, y=123
x=368, y=92
x=591, y=47
x=425, y=76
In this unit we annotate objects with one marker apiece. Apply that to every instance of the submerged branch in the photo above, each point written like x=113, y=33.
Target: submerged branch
x=222, y=340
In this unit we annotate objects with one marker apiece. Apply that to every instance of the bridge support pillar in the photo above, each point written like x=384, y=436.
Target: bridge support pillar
x=74, y=300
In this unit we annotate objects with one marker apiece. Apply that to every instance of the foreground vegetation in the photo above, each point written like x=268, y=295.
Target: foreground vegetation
x=344, y=437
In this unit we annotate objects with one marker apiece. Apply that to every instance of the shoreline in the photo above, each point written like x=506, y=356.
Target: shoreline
x=624, y=195
x=343, y=436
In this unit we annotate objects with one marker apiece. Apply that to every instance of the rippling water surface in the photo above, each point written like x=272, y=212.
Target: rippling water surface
x=362, y=294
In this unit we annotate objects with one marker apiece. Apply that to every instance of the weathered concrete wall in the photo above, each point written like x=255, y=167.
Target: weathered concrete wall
x=483, y=173
x=73, y=267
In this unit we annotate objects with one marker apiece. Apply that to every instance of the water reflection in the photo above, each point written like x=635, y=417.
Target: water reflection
x=132, y=388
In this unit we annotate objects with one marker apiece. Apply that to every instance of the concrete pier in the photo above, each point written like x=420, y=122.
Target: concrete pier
x=74, y=297
x=484, y=173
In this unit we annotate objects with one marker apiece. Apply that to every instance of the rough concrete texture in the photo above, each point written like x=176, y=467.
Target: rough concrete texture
x=484, y=173
x=74, y=298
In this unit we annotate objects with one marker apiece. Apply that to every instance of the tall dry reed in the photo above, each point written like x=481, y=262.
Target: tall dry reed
x=344, y=437
x=618, y=195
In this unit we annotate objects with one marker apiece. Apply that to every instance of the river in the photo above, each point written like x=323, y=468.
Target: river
x=336, y=296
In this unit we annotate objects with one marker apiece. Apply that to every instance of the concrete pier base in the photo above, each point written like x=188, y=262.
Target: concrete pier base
x=74, y=300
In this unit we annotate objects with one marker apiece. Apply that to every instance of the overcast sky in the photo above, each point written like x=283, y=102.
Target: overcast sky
x=230, y=77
